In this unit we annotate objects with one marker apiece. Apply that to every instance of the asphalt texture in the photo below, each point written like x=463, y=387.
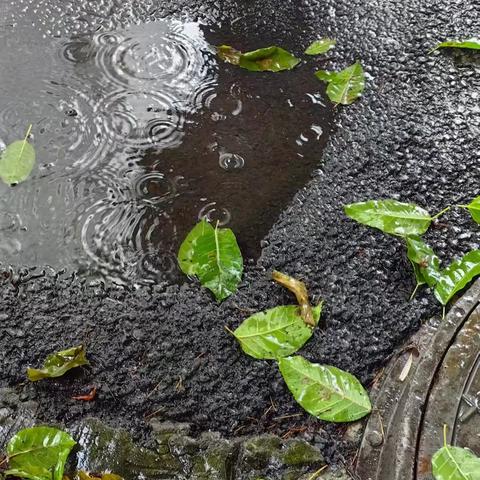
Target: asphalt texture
x=414, y=136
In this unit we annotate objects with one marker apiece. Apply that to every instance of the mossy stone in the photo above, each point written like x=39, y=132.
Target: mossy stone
x=301, y=453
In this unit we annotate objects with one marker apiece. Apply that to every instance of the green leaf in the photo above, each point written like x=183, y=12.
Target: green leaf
x=57, y=364
x=345, y=86
x=82, y=475
x=17, y=161
x=424, y=258
x=455, y=463
x=213, y=256
x=474, y=209
x=457, y=275
x=320, y=46
x=325, y=392
x=390, y=216
x=39, y=453
x=275, y=333
x=269, y=59
x=471, y=43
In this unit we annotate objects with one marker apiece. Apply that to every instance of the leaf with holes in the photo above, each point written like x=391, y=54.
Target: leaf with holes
x=457, y=275
x=325, y=392
x=390, y=216
x=318, y=47
x=455, y=463
x=471, y=44
x=345, y=86
x=17, y=161
x=39, y=453
x=213, y=256
x=59, y=363
x=275, y=333
x=424, y=258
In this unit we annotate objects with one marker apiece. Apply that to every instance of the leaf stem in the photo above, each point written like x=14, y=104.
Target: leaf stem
x=417, y=286
x=445, y=210
x=445, y=434
x=443, y=312
x=229, y=331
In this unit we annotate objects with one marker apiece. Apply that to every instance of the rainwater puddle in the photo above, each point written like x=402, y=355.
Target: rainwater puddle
x=140, y=132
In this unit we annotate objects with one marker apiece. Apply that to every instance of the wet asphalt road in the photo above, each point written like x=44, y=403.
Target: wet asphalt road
x=414, y=136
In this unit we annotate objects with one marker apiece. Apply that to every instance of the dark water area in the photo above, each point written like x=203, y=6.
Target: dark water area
x=139, y=132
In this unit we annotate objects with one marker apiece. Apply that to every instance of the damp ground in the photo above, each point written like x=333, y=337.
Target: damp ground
x=161, y=352
x=140, y=131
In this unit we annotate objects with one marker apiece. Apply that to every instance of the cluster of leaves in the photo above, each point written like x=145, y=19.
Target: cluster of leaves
x=344, y=87
x=324, y=391
x=455, y=463
x=40, y=453
x=409, y=221
x=17, y=160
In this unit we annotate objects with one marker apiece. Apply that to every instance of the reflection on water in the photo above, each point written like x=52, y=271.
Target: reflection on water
x=138, y=134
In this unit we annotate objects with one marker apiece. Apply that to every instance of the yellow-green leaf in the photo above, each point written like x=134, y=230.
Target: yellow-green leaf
x=213, y=256
x=39, y=453
x=471, y=43
x=57, y=364
x=474, y=209
x=17, y=161
x=455, y=463
x=424, y=258
x=275, y=333
x=268, y=59
x=346, y=86
x=324, y=391
x=321, y=46
x=390, y=216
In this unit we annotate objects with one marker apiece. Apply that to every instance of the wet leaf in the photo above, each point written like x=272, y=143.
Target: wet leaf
x=471, y=43
x=229, y=54
x=320, y=46
x=424, y=258
x=390, y=216
x=300, y=290
x=345, y=86
x=213, y=256
x=457, y=275
x=269, y=59
x=57, y=364
x=474, y=209
x=17, y=161
x=102, y=476
x=455, y=463
x=39, y=453
x=275, y=333
x=325, y=392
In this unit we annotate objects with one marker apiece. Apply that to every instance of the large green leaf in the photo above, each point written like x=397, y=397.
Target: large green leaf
x=455, y=463
x=324, y=391
x=213, y=256
x=345, y=86
x=474, y=209
x=269, y=59
x=57, y=364
x=391, y=216
x=457, y=275
x=39, y=453
x=275, y=333
x=471, y=43
x=321, y=46
x=17, y=161
x=424, y=258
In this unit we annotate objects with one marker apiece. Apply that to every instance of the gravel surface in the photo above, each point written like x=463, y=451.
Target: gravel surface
x=414, y=136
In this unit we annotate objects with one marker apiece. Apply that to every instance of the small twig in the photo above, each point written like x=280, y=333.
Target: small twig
x=87, y=398
x=317, y=473
x=153, y=414
x=284, y=417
